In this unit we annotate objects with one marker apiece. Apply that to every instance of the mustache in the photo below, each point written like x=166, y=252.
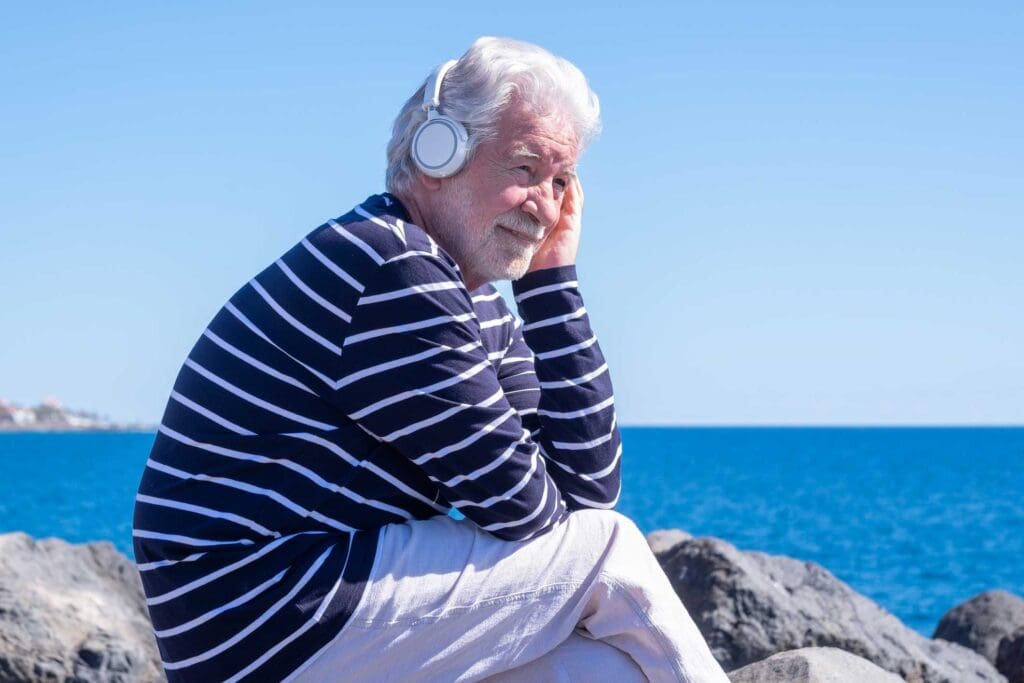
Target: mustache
x=522, y=223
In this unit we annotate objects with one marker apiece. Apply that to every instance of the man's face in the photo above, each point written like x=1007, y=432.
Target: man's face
x=493, y=215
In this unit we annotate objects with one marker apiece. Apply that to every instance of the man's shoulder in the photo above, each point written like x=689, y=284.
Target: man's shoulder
x=373, y=234
x=381, y=223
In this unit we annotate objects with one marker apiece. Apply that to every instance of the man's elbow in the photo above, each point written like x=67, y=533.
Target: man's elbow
x=520, y=530
x=597, y=498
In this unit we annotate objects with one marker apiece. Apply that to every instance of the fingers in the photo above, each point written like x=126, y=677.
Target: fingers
x=573, y=203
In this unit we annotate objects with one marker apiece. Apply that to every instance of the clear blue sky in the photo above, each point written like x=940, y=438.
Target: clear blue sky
x=798, y=212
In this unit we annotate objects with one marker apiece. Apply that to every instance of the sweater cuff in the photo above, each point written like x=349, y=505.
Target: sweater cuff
x=543, y=291
x=545, y=276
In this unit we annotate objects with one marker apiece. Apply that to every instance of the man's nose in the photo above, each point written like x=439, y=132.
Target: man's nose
x=542, y=205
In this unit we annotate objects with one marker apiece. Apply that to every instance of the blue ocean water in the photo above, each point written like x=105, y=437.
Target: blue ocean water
x=917, y=519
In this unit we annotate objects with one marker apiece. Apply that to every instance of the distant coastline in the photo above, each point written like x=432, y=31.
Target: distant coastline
x=66, y=429
x=52, y=416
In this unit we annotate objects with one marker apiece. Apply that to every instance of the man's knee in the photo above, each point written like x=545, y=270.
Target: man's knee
x=608, y=534
x=611, y=524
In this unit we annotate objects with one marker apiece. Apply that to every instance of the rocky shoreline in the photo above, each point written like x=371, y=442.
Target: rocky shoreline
x=752, y=605
x=78, y=613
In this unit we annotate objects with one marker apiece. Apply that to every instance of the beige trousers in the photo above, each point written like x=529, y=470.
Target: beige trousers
x=585, y=601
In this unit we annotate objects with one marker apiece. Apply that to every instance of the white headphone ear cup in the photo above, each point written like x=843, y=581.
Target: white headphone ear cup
x=439, y=147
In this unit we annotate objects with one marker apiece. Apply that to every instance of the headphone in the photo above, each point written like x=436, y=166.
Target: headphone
x=439, y=144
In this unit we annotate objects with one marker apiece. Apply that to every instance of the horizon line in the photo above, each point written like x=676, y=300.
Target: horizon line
x=152, y=429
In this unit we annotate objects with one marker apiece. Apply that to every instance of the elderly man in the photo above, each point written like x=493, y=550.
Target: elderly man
x=291, y=521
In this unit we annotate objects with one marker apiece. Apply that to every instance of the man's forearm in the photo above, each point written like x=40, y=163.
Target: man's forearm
x=577, y=428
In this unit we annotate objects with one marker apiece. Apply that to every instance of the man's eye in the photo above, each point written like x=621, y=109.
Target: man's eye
x=524, y=168
x=562, y=183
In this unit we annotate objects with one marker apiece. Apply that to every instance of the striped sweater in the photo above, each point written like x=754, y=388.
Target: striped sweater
x=355, y=383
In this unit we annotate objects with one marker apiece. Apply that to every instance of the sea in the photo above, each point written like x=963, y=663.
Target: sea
x=917, y=519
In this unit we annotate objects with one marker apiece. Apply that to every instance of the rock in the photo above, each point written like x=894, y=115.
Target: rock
x=1010, y=658
x=72, y=613
x=983, y=621
x=663, y=540
x=751, y=605
x=813, y=665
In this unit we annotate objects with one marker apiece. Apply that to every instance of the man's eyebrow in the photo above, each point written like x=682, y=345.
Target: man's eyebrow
x=523, y=151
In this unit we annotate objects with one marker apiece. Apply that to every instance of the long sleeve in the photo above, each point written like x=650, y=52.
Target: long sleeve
x=574, y=421
x=414, y=375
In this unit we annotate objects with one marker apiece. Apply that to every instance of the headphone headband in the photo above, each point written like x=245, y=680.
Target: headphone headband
x=432, y=91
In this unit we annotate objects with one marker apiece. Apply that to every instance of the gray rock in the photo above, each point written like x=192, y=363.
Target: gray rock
x=72, y=613
x=751, y=605
x=1010, y=658
x=664, y=540
x=813, y=665
x=983, y=621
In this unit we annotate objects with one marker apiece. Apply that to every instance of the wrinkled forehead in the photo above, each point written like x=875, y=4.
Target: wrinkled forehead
x=549, y=137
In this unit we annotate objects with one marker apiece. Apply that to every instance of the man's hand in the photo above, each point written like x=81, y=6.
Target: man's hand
x=560, y=246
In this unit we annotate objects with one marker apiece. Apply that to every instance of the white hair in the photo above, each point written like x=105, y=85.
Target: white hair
x=481, y=84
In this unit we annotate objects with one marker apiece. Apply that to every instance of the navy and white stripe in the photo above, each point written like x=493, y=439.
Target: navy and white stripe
x=352, y=384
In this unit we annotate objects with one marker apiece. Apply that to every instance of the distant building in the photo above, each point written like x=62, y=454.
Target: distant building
x=23, y=417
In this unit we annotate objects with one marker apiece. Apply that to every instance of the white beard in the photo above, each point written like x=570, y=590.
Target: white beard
x=483, y=255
